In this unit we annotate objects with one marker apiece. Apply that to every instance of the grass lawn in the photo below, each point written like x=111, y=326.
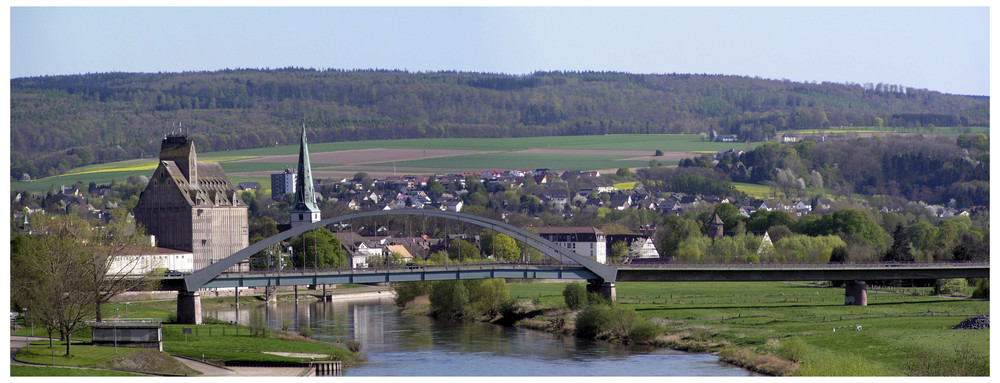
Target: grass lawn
x=81, y=355
x=61, y=371
x=904, y=331
x=221, y=344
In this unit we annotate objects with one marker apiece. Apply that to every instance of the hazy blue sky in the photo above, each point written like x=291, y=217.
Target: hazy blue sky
x=944, y=49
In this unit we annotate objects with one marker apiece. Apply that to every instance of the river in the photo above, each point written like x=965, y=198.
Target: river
x=416, y=345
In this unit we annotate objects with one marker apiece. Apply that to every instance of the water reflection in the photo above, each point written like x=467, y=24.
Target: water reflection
x=413, y=345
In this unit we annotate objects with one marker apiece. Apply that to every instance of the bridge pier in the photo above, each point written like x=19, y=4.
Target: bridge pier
x=855, y=293
x=606, y=289
x=188, y=307
x=271, y=294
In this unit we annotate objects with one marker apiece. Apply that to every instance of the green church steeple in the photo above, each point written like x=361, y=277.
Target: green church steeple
x=305, y=210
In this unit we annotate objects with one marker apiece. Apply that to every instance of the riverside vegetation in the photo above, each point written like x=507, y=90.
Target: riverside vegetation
x=773, y=328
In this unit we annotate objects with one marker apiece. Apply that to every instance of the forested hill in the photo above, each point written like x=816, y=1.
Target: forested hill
x=61, y=122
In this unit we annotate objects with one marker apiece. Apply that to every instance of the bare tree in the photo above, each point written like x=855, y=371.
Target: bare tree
x=46, y=276
x=120, y=253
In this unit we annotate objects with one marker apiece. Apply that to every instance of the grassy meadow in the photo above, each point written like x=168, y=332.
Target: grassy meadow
x=904, y=331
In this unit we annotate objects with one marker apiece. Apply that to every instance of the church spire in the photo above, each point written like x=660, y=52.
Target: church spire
x=305, y=209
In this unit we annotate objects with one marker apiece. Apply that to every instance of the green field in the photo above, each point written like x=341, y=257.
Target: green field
x=521, y=161
x=753, y=190
x=901, y=328
x=647, y=142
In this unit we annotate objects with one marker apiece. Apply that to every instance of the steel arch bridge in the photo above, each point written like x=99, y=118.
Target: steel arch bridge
x=607, y=273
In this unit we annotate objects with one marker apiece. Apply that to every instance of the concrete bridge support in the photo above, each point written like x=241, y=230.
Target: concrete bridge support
x=856, y=293
x=271, y=294
x=607, y=289
x=188, y=307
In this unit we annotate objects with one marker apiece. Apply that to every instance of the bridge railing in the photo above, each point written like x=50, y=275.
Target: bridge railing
x=399, y=269
x=789, y=266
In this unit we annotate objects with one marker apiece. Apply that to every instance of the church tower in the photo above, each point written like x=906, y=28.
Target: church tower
x=305, y=210
x=715, y=227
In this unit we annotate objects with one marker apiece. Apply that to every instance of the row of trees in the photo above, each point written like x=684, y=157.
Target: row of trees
x=846, y=235
x=66, y=269
x=61, y=122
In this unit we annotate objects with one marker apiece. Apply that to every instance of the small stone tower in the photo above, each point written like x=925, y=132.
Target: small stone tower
x=715, y=227
x=305, y=210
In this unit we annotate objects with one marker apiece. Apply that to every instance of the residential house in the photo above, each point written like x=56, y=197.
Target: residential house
x=454, y=205
x=245, y=186
x=586, y=241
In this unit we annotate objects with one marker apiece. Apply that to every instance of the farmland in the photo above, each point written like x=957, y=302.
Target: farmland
x=427, y=156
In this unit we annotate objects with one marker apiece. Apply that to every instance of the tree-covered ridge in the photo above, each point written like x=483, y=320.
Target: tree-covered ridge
x=893, y=170
x=60, y=122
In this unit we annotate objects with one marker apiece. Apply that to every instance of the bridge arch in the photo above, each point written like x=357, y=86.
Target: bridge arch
x=608, y=273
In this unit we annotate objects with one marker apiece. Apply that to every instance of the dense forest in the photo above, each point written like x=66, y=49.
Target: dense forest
x=932, y=169
x=61, y=122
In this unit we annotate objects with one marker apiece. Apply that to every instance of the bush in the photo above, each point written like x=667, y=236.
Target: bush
x=353, y=346
x=793, y=349
x=575, y=295
x=593, y=320
x=306, y=332
x=643, y=331
x=613, y=321
x=597, y=299
x=982, y=290
x=258, y=324
x=953, y=287
x=487, y=297
x=408, y=291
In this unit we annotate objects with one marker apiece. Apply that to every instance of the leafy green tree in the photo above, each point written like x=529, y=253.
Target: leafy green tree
x=406, y=292
x=449, y=298
x=505, y=248
x=729, y=214
x=575, y=296
x=319, y=248
x=462, y=251
x=676, y=229
x=619, y=250
x=438, y=258
x=803, y=248
x=434, y=187
x=487, y=297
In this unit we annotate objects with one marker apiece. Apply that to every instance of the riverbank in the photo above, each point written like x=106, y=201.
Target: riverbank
x=788, y=329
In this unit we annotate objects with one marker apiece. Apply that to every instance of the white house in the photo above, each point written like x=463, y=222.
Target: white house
x=586, y=241
x=150, y=259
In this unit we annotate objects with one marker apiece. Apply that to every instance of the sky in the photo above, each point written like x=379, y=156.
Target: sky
x=945, y=49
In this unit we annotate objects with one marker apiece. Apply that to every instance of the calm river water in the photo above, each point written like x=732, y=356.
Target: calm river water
x=414, y=345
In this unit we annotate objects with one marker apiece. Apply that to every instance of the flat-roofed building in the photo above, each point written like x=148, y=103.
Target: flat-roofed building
x=586, y=241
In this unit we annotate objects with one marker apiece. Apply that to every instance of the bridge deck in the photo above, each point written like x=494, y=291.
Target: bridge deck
x=399, y=274
x=677, y=272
